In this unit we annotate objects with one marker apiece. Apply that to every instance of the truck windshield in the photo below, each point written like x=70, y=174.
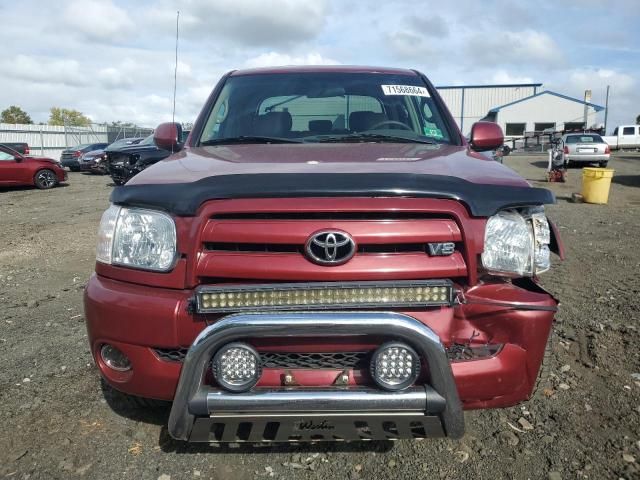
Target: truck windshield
x=325, y=107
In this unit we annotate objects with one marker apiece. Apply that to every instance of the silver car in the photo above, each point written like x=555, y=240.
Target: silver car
x=585, y=148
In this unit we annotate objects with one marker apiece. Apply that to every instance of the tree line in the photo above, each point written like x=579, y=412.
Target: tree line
x=57, y=116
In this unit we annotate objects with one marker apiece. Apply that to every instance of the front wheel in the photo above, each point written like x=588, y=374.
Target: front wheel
x=45, y=179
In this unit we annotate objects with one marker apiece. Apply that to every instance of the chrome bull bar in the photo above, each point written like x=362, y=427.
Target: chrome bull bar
x=203, y=413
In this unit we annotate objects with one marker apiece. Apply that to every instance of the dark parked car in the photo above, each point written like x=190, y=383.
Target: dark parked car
x=17, y=169
x=124, y=142
x=326, y=258
x=71, y=157
x=125, y=162
x=20, y=147
x=95, y=160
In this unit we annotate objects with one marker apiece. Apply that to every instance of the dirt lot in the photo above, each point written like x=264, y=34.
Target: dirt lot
x=57, y=423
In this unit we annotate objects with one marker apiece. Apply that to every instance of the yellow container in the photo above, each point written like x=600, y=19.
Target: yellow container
x=595, y=184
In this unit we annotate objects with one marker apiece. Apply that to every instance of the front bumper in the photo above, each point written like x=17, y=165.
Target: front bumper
x=141, y=320
x=87, y=166
x=204, y=413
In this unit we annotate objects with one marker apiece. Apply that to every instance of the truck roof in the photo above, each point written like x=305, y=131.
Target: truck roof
x=323, y=69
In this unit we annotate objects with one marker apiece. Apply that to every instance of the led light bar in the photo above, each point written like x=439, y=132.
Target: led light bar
x=323, y=296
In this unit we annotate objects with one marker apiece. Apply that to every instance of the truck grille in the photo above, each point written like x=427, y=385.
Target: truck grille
x=270, y=246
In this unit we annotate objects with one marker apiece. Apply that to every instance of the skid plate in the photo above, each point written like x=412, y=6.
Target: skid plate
x=306, y=427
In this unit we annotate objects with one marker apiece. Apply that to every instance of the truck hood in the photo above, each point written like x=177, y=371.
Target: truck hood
x=193, y=164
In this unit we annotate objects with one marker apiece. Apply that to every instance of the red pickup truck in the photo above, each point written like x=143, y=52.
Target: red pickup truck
x=325, y=258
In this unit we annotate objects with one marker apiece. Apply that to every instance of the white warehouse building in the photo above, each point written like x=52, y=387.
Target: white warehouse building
x=517, y=108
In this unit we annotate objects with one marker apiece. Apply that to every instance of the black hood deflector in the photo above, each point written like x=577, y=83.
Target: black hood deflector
x=184, y=199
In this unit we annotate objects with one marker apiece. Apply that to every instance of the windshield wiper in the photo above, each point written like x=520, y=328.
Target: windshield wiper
x=380, y=137
x=248, y=139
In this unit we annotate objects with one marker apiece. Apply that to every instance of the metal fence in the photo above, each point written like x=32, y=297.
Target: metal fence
x=50, y=140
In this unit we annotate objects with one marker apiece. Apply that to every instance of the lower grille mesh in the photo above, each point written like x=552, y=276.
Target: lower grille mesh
x=172, y=354
x=337, y=360
x=334, y=360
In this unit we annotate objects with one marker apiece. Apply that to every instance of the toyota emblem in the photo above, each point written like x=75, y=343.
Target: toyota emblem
x=330, y=247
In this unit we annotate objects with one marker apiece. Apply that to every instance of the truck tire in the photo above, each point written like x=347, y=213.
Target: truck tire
x=45, y=179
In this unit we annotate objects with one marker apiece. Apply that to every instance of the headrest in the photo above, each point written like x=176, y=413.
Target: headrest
x=361, y=121
x=322, y=126
x=273, y=124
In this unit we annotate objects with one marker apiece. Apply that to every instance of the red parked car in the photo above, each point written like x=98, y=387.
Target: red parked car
x=325, y=258
x=17, y=169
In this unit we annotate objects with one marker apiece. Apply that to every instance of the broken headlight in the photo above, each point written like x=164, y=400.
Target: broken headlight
x=516, y=243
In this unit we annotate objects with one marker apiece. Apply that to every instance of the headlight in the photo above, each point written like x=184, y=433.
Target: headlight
x=135, y=237
x=516, y=243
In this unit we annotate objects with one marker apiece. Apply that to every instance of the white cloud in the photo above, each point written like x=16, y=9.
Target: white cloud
x=246, y=22
x=111, y=77
x=97, y=19
x=601, y=77
x=411, y=46
x=271, y=59
x=430, y=24
x=44, y=70
x=527, y=47
x=504, y=77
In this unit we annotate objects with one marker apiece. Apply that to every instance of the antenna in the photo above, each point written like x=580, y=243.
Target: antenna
x=175, y=71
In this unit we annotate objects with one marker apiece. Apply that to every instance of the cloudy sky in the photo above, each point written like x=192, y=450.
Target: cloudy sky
x=114, y=59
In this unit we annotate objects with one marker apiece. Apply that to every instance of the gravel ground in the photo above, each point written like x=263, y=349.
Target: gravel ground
x=58, y=423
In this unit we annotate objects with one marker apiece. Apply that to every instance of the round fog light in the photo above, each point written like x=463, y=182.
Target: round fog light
x=236, y=367
x=114, y=358
x=395, y=366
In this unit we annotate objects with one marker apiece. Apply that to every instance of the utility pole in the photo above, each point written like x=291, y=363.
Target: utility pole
x=587, y=99
x=175, y=71
x=606, y=110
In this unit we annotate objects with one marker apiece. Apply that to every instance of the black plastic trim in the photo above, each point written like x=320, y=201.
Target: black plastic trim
x=184, y=199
